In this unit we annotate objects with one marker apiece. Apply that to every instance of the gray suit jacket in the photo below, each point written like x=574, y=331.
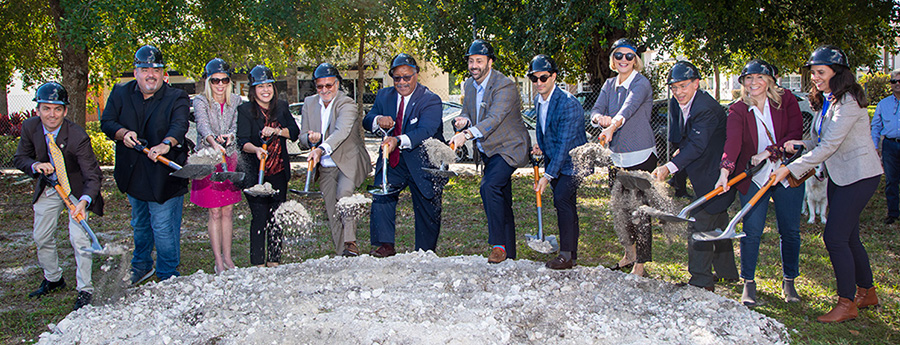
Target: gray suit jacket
x=846, y=146
x=500, y=121
x=343, y=134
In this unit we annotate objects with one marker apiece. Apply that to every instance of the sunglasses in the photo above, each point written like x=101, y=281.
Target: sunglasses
x=542, y=78
x=324, y=86
x=225, y=80
x=402, y=77
x=894, y=81
x=620, y=55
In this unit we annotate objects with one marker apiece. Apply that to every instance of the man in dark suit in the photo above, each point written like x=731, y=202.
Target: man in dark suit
x=148, y=109
x=491, y=115
x=560, y=128
x=412, y=114
x=698, y=126
x=56, y=147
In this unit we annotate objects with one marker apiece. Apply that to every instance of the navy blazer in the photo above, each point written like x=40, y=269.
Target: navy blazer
x=249, y=127
x=565, y=131
x=422, y=119
x=82, y=169
x=701, y=142
x=165, y=114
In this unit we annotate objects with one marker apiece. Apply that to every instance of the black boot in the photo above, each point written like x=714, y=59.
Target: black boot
x=48, y=287
x=84, y=298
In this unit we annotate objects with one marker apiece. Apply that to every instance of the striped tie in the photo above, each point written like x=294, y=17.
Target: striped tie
x=59, y=164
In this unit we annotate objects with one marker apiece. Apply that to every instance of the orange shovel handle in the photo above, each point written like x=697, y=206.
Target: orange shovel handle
x=730, y=183
x=165, y=160
x=65, y=198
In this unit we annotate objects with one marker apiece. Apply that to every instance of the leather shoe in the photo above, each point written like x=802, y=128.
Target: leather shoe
x=497, y=255
x=84, y=298
x=138, y=277
x=48, y=287
x=865, y=297
x=385, y=250
x=560, y=263
x=620, y=268
x=843, y=311
x=748, y=296
x=350, y=249
x=889, y=220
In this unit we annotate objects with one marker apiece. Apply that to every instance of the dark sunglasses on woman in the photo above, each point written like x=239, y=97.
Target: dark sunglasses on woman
x=225, y=80
x=894, y=81
x=619, y=55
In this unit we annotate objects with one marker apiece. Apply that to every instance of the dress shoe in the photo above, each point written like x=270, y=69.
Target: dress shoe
x=560, y=263
x=350, y=249
x=497, y=255
x=48, y=287
x=889, y=220
x=865, y=297
x=385, y=250
x=618, y=267
x=789, y=292
x=138, y=277
x=748, y=297
x=84, y=298
x=843, y=311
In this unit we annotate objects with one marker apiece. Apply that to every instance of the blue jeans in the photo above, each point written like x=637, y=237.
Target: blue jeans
x=890, y=158
x=160, y=225
x=788, y=202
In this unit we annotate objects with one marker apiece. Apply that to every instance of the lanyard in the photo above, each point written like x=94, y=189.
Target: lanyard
x=825, y=104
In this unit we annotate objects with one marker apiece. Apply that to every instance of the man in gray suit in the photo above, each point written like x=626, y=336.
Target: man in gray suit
x=330, y=126
x=491, y=115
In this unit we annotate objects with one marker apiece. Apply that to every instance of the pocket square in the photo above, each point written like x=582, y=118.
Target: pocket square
x=414, y=120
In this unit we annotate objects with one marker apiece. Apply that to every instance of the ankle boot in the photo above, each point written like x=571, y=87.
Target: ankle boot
x=865, y=297
x=789, y=292
x=843, y=311
x=748, y=297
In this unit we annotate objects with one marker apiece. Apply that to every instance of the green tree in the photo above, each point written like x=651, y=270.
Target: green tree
x=23, y=34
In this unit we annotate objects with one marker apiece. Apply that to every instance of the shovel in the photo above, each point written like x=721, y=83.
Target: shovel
x=262, y=171
x=444, y=170
x=539, y=243
x=68, y=200
x=189, y=171
x=729, y=233
x=305, y=191
x=226, y=175
x=385, y=188
x=684, y=215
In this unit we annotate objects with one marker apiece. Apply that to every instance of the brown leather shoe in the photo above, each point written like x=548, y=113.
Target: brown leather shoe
x=843, y=311
x=865, y=297
x=350, y=249
x=497, y=255
x=386, y=249
x=560, y=263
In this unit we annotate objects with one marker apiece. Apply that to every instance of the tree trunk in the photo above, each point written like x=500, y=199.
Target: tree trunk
x=716, y=78
x=360, y=72
x=598, y=58
x=4, y=102
x=73, y=66
x=292, y=93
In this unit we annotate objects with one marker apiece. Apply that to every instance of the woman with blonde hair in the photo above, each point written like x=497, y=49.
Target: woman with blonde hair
x=759, y=124
x=215, y=111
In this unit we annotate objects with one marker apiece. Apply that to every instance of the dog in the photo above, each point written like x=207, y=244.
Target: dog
x=815, y=200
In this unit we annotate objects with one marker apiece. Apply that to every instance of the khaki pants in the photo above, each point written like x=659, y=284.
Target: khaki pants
x=335, y=185
x=46, y=215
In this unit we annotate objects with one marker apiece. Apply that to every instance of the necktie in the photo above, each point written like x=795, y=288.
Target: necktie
x=59, y=164
x=398, y=129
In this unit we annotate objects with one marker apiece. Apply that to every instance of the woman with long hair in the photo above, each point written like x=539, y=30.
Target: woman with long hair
x=265, y=118
x=759, y=124
x=841, y=139
x=623, y=109
x=216, y=113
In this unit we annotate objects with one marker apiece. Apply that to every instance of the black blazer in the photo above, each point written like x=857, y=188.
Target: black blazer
x=85, y=177
x=163, y=115
x=701, y=142
x=248, y=130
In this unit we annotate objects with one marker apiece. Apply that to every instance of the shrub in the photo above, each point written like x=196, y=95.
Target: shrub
x=104, y=149
x=8, y=145
x=11, y=124
x=877, y=86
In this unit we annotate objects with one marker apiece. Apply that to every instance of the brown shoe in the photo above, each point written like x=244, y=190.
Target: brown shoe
x=497, y=255
x=560, y=263
x=350, y=249
x=865, y=297
x=843, y=311
x=386, y=249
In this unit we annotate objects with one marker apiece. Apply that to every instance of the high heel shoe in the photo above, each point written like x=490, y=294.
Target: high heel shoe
x=617, y=267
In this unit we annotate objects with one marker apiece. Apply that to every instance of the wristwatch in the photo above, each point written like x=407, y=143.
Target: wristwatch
x=468, y=134
x=168, y=142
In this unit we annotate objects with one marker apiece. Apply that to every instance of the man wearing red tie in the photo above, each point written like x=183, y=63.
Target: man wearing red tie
x=56, y=147
x=411, y=114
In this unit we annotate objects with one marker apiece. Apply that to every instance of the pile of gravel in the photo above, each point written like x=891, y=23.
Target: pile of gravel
x=416, y=298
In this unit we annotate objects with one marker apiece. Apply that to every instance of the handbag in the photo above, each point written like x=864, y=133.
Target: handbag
x=796, y=182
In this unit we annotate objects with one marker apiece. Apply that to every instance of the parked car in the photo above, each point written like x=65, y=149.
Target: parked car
x=450, y=111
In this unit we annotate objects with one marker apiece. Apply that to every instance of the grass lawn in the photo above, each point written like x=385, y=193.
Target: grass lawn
x=464, y=232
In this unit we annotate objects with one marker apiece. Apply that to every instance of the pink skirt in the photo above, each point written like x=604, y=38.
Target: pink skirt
x=209, y=194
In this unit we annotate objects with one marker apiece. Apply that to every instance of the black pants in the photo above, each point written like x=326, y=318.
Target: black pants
x=496, y=195
x=704, y=256
x=841, y=236
x=641, y=234
x=265, y=235
x=565, y=189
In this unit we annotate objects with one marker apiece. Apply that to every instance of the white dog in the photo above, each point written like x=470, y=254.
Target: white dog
x=816, y=197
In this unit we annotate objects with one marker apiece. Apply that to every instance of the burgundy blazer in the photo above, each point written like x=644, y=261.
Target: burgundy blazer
x=741, y=140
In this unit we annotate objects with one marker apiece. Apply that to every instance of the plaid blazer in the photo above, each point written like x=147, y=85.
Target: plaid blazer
x=500, y=122
x=564, y=131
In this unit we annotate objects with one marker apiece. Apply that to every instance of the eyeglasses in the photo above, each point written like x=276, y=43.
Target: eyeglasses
x=225, y=80
x=535, y=78
x=619, y=55
x=324, y=86
x=403, y=77
x=894, y=81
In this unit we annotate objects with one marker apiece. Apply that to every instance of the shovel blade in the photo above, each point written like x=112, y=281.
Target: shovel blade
x=380, y=190
x=306, y=194
x=717, y=234
x=671, y=218
x=630, y=181
x=194, y=171
x=234, y=177
x=548, y=245
x=440, y=172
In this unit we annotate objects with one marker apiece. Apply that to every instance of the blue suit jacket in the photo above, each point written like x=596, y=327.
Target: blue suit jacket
x=422, y=119
x=565, y=131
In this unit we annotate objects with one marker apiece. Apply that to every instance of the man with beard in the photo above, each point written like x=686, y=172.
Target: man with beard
x=491, y=115
x=148, y=109
x=411, y=114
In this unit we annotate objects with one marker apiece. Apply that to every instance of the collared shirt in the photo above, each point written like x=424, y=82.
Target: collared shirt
x=886, y=121
x=624, y=84
x=52, y=176
x=764, y=122
x=685, y=113
x=543, y=106
x=403, y=140
x=479, y=99
x=326, y=118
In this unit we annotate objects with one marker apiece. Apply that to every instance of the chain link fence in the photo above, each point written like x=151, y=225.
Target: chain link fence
x=20, y=107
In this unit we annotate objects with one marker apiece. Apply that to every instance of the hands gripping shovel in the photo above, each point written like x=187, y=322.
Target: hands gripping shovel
x=309, y=171
x=385, y=188
x=225, y=175
x=258, y=190
x=95, y=247
x=191, y=171
x=539, y=243
x=684, y=215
